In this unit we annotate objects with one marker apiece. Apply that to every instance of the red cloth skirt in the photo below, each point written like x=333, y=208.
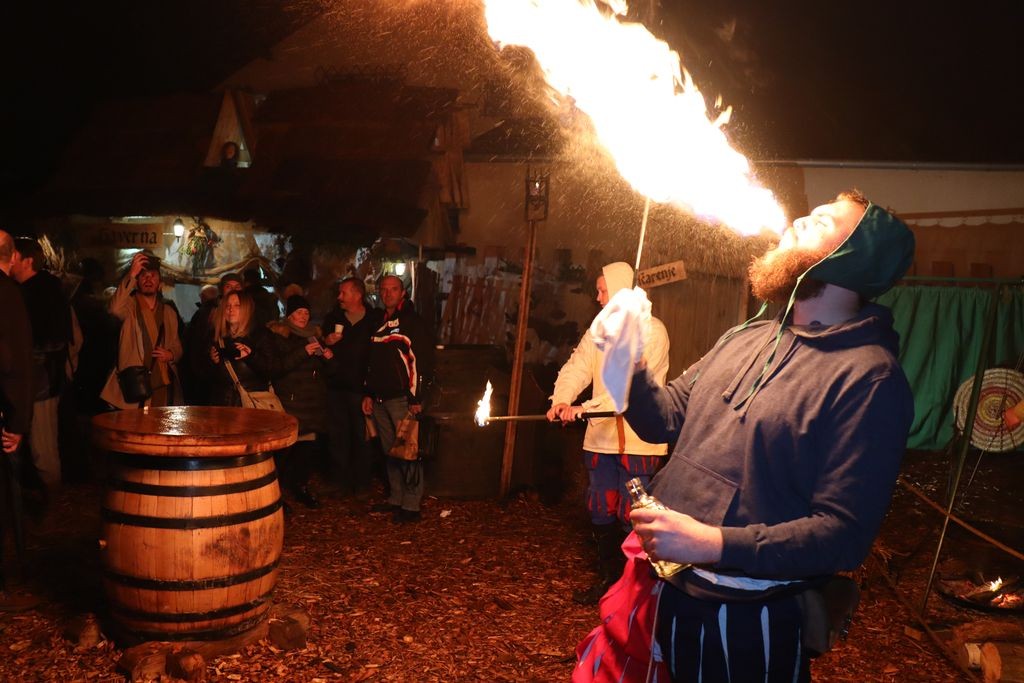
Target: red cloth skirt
x=622, y=648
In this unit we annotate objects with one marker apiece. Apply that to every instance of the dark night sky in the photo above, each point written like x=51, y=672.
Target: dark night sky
x=58, y=59
x=896, y=80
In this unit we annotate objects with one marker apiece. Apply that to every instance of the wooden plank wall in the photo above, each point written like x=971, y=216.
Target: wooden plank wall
x=969, y=250
x=696, y=312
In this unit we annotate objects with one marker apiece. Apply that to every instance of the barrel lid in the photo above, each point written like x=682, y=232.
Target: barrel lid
x=194, y=431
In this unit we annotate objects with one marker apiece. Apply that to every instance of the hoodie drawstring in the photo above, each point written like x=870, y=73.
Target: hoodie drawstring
x=738, y=379
x=761, y=378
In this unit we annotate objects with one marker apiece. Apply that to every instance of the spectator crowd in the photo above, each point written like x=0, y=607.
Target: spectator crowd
x=67, y=353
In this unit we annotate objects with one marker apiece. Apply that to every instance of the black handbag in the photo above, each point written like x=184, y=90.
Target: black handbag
x=428, y=437
x=827, y=611
x=136, y=380
x=135, y=383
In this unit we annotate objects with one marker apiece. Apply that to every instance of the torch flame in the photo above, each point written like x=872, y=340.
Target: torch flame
x=644, y=107
x=995, y=585
x=483, y=406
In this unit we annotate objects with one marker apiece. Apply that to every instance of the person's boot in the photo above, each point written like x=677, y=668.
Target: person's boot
x=610, y=563
x=307, y=497
x=611, y=557
x=17, y=599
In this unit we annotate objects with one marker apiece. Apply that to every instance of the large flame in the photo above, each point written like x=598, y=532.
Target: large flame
x=483, y=407
x=645, y=109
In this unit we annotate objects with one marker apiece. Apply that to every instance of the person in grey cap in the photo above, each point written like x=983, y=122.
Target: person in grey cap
x=788, y=438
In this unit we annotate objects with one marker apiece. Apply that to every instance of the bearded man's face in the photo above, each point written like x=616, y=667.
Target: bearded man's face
x=809, y=240
x=148, y=282
x=774, y=275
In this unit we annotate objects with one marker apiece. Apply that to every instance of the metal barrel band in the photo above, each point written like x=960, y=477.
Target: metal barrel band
x=191, y=584
x=185, y=463
x=208, y=634
x=190, y=523
x=120, y=484
x=182, y=617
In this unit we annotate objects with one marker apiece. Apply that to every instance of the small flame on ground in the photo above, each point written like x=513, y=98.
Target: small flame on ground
x=645, y=109
x=995, y=585
x=483, y=406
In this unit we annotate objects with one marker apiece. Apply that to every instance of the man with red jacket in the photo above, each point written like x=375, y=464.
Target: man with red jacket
x=401, y=357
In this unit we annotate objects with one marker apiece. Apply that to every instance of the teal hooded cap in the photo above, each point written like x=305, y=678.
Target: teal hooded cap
x=872, y=259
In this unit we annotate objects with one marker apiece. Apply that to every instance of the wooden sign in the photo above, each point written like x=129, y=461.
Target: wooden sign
x=661, y=275
x=122, y=236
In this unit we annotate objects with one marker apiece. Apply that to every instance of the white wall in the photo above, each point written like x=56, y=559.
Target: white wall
x=920, y=190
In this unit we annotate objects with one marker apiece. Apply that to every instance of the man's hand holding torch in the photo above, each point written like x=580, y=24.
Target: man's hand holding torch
x=564, y=413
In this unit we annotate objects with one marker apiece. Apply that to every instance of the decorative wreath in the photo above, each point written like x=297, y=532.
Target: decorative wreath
x=199, y=244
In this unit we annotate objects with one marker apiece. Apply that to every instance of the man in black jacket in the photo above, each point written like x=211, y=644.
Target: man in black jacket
x=349, y=327
x=15, y=394
x=267, y=308
x=401, y=356
x=50, y=317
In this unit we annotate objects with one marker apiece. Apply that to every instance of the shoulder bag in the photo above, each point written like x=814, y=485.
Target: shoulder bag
x=259, y=400
x=134, y=380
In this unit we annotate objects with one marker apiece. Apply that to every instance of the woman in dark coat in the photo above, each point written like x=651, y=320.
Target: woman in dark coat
x=298, y=378
x=248, y=348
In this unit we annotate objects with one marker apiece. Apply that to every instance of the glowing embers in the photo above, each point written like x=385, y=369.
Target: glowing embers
x=996, y=595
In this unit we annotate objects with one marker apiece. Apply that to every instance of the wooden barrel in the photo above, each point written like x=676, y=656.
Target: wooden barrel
x=192, y=518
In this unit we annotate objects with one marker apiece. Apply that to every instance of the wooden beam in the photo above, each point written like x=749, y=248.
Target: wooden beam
x=517, y=361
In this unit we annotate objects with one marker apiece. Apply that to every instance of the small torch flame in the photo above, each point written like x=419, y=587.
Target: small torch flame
x=645, y=109
x=483, y=407
x=995, y=585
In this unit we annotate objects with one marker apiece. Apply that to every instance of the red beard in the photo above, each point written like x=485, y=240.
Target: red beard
x=774, y=275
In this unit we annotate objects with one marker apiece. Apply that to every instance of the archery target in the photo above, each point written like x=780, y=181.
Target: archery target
x=1001, y=388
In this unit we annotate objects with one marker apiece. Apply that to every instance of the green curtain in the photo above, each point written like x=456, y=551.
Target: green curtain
x=940, y=332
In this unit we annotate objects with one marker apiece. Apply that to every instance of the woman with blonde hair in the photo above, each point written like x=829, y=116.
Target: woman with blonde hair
x=238, y=341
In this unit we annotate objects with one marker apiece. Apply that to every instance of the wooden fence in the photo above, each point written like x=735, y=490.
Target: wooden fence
x=696, y=311
x=476, y=310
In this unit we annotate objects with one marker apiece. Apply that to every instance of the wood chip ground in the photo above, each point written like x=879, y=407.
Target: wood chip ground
x=477, y=591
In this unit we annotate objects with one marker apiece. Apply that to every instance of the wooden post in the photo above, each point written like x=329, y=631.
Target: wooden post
x=517, y=361
x=536, y=205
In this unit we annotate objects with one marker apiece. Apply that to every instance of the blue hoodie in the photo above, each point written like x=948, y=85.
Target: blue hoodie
x=799, y=477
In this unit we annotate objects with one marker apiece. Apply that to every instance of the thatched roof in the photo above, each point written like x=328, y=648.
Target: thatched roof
x=345, y=160
x=135, y=157
x=517, y=139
